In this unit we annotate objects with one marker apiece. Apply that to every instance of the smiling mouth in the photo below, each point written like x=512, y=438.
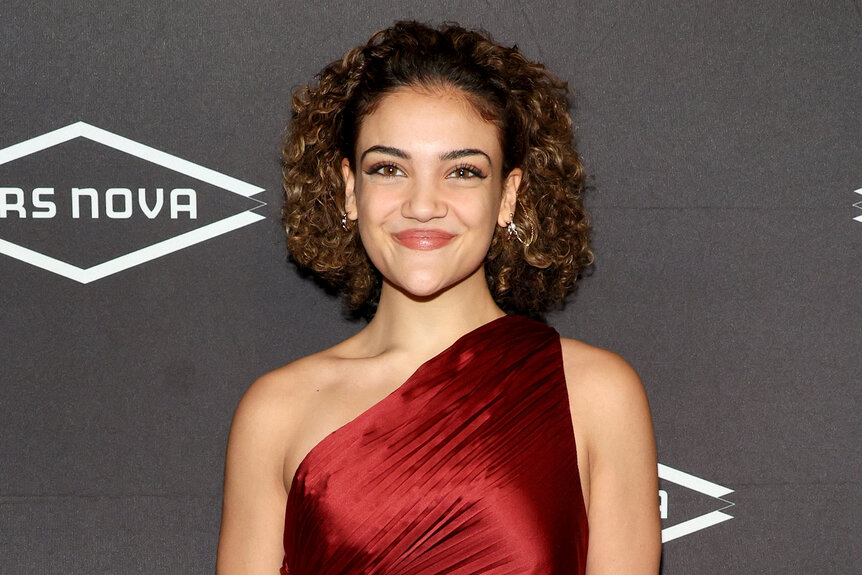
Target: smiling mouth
x=417, y=239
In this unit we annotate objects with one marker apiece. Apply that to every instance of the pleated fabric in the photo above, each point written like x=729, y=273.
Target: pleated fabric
x=468, y=467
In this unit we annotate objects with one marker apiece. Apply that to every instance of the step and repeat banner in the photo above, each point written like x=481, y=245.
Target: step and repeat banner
x=144, y=282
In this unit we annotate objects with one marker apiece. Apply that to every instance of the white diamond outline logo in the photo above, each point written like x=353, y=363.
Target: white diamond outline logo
x=703, y=486
x=858, y=205
x=149, y=154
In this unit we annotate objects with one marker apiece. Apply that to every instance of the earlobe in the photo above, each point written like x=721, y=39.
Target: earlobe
x=510, y=197
x=349, y=189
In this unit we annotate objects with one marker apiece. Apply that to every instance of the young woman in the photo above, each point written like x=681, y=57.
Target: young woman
x=430, y=176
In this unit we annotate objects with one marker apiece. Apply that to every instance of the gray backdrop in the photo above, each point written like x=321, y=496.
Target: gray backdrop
x=725, y=143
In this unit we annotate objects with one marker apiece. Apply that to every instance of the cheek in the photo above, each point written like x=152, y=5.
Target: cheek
x=490, y=209
x=480, y=217
x=368, y=208
x=375, y=208
x=376, y=200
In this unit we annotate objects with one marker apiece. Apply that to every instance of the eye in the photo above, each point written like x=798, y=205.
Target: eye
x=466, y=172
x=385, y=169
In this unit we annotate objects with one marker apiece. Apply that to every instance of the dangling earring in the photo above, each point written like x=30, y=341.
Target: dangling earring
x=511, y=230
x=344, y=225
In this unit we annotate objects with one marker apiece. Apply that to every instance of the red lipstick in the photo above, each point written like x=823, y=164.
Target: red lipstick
x=419, y=239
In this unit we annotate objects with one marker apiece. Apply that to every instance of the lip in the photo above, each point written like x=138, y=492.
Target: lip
x=421, y=239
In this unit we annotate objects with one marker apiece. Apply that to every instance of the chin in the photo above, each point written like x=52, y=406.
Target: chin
x=424, y=282
x=428, y=286
x=422, y=290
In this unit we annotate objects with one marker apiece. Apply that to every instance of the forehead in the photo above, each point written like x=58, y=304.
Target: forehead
x=428, y=118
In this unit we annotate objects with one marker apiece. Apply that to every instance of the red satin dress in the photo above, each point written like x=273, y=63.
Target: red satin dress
x=468, y=467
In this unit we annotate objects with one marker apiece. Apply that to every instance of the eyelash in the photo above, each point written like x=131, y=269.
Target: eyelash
x=473, y=171
x=375, y=169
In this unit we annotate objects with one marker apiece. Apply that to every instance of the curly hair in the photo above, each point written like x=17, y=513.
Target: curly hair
x=528, y=105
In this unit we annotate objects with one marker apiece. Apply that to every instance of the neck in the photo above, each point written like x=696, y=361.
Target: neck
x=428, y=325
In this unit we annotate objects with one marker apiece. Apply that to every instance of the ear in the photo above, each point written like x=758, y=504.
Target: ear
x=510, y=197
x=349, y=190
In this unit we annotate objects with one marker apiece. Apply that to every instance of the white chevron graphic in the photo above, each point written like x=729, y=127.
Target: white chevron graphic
x=701, y=486
x=858, y=205
x=151, y=252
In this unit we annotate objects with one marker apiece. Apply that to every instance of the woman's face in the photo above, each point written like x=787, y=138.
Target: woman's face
x=428, y=189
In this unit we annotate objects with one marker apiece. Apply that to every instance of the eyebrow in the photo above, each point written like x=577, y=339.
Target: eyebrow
x=388, y=150
x=453, y=155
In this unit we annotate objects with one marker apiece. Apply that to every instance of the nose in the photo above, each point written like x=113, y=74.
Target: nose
x=423, y=201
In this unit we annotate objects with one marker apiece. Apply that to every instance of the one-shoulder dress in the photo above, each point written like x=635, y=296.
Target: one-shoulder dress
x=469, y=467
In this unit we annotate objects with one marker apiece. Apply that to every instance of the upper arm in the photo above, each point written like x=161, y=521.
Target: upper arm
x=254, y=492
x=610, y=409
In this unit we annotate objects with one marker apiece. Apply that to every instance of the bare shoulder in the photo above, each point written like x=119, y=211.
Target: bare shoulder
x=599, y=380
x=284, y=386
x=279, y=400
